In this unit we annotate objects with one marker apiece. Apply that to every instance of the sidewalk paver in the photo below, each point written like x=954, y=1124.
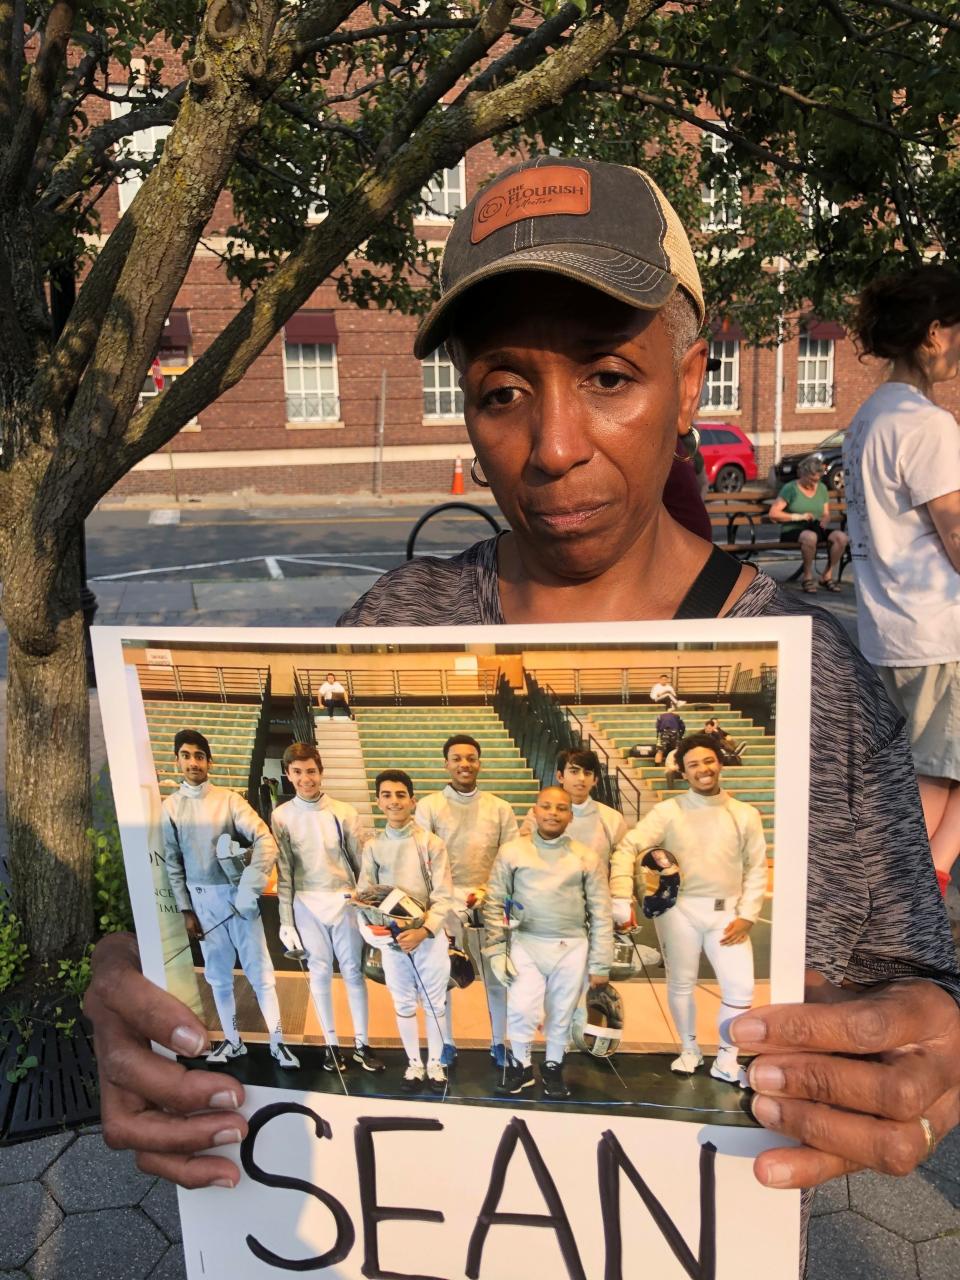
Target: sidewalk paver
x=29, y=1216
x=90, y=1176
x=110, y=1244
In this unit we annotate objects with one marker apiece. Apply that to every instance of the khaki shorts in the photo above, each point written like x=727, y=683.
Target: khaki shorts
x=929, y=698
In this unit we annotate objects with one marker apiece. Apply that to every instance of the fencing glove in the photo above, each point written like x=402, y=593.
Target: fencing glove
x=502, y=968
x=290, y=939
x=622, y=912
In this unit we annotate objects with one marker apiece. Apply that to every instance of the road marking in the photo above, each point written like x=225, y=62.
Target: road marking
x=273, y=568
x=164, y=515
x=223, y=564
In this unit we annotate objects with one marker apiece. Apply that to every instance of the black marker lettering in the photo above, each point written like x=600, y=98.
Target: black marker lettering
x=372, y=1213
x=345, y=1232
x=611, y=1158
x=556, y=1220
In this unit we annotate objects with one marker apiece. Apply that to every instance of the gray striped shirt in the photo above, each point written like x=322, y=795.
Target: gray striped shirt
x=874, y=910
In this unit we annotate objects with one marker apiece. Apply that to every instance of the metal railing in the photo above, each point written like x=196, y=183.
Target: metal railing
x=399, y=685
x=630, y=796
x=221, y=684
x=259, y=752
x=629, y=684
x=304, y=728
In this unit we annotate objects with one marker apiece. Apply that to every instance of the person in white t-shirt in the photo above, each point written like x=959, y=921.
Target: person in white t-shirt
x=663, y=692
x=333, y=694
x=902, y=475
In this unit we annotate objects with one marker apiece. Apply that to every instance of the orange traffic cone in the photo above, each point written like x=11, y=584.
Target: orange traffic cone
x=457, y=486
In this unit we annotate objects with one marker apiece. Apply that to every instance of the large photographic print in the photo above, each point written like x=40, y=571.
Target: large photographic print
x=406, y=875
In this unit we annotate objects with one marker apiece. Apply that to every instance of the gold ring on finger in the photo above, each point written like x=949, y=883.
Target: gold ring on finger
x=929, y=1135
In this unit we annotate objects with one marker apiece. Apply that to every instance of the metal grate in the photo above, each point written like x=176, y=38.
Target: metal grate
x=59, y=1093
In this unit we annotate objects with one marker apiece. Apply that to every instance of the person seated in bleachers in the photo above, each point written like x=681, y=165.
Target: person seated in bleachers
x=594, y=824
x=664, y=694
x=333, y=694
x=670, y=729
x=729, y=750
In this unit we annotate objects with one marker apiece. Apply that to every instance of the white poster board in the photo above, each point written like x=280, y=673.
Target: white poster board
x=479, y=1186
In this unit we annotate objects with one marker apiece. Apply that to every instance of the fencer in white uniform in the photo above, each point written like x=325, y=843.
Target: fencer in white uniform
x=319, y=842
x=473, y=824
x=221, y=914
x=719, y=845
x=594, y=824
x=549, y=927
x=416, y=965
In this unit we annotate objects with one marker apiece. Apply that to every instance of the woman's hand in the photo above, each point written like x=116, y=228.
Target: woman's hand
x=849, y=1075
x=151, y=1104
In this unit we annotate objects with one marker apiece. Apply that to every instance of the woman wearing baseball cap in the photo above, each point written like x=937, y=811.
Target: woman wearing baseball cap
x=572, y=306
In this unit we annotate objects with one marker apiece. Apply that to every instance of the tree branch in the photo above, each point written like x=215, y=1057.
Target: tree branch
x=440, y=142
x=530, y=49
x=70, y=173
x=76, y=86
x=785, y=90
x=707, y=126
x=490, y=26
x=912, y=11
x=37, y=100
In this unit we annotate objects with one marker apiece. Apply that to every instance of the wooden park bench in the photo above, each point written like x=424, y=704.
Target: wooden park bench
x=741, y=528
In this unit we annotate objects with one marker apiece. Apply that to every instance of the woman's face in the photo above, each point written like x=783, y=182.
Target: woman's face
x=573, y=403
x=944, y=352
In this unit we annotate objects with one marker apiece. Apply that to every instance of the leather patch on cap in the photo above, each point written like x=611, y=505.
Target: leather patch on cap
x=532, y=193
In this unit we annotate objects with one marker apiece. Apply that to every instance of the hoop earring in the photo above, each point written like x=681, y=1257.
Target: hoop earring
x=690, y=442
x=477, y=476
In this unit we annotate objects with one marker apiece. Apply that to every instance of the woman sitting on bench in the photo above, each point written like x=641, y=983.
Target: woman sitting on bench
x=803, y=509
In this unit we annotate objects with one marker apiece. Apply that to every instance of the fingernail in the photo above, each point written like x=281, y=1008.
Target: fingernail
x=225, y=1138
x=777, y=1175
x=748, y=1030
x=226, y=1100
x=223, y=1182
x=187, y=1041
x=767, y=1111
x=766, y=1078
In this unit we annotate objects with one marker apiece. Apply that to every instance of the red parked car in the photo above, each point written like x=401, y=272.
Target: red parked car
x=728, y=456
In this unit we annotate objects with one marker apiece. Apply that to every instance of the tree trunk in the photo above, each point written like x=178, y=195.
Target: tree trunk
x=48, y=772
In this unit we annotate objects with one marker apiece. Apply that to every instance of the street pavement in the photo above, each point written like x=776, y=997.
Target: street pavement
x=70, y=1208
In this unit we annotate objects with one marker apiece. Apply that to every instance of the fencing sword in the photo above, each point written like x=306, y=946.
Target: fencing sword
x=206, y=934
x=300, y=955
x=395, y=931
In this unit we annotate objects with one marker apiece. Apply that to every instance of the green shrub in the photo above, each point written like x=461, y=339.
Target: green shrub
x=13, y=950
x=111, y=898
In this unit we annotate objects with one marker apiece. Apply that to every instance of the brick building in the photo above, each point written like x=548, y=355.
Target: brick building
x=305, y=419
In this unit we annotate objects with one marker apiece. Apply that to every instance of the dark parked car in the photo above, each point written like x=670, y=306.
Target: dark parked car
x=728, y=456
x=830, y=453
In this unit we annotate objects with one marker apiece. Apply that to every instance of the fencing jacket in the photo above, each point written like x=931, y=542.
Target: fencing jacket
x=562, y=887
x=313, y=853
x=473, y=827
x=718, y=843
x=594, y=824
x=192, y=820
x=400, y=857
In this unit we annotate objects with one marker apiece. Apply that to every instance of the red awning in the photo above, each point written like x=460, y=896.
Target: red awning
x=726, y=330
x=312, y=326
x=176, y=331
x=825, y=329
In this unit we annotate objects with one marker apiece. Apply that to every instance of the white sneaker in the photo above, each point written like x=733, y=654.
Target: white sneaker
x=436, y=1077
x=413, y=1078
x=726, y=1067
x=688, y=1062
x=225, y=1050
x=283, y=1057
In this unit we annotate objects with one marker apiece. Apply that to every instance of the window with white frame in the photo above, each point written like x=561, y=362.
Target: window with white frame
x=442, y=398
x=445, y=193
x=815, y=373
x=815, y=207
x=140, y=145
x=721, y=387
x=310, y=378
x=721, y=195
